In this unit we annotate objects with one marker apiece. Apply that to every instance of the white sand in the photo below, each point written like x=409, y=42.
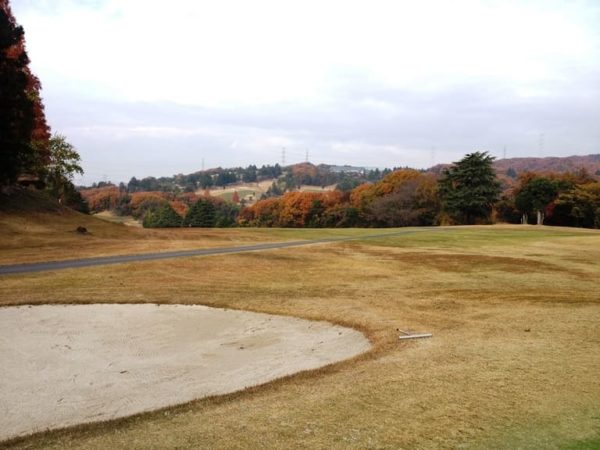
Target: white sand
x=65, y=365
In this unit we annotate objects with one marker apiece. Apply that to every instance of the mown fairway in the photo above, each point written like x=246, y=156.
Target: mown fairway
x=514, y=360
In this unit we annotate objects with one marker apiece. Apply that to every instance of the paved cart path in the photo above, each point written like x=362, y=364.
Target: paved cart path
x=119, y=259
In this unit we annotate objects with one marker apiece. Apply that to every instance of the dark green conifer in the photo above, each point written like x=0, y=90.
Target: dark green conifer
x=162, y=217
x=470, y=188
x=200, y=214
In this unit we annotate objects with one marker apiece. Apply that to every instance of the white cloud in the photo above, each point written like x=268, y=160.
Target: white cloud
x=240, y=52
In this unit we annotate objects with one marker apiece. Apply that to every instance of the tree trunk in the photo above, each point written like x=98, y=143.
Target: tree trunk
x=540, y=217
x=524, y=219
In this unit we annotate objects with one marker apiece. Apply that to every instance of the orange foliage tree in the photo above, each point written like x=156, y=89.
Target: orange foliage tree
x=180, y=207
x=102, y=199
x=264, y=213
x=402, y=198
x=142, y=202
x=295, y=209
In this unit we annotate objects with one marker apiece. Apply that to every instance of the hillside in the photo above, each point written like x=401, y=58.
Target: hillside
x=251, y=192
x=35, y=227
x=252, y=179
x=591, y=163
x=562, y=164
x=509, y=169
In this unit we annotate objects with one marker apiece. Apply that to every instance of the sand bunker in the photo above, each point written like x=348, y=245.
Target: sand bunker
x=64, y=365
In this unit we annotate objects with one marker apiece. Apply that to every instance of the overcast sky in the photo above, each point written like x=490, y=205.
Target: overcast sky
x=143, y=87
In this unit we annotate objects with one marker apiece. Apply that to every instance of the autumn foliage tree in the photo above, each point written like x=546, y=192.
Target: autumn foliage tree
x=264, y=213
x=142, y=202
x=294, y=209
x=404, y=197
x=300, y=209
x=579, y=207
x=24, y=134
x=102, y=199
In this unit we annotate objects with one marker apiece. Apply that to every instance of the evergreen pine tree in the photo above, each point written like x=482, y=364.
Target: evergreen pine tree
x=200, y=214
x=470, y=188
x=163, y=217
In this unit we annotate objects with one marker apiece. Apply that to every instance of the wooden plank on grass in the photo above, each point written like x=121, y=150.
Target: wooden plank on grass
x=415, y=336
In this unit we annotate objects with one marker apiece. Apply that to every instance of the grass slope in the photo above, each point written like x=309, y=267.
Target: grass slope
x=513, y=362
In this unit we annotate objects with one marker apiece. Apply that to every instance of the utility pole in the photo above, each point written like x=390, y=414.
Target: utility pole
x=283, y=157
x=504, y=152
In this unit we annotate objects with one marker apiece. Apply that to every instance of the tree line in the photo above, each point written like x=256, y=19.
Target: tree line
x=467, y=192
x=162, y=209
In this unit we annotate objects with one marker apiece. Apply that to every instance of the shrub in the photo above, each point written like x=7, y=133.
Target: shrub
x=162, y=217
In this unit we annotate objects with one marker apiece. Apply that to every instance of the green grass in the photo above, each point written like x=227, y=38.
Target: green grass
x=584, y=444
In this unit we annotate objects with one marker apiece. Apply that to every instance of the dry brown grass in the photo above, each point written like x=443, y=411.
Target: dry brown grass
x=33, y=237
x=514, y=360
x=110, y=216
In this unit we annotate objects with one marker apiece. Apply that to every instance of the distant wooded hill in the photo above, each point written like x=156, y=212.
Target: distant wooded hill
x=288, y=178
x=591, y=163
x=556, y=164
x=508, y=170
x=347, y=176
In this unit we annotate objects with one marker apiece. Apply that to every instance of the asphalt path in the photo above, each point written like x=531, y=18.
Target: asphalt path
x=120, y=259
